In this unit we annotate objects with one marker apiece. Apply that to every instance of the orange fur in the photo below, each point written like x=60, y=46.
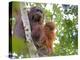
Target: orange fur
x=44, y=36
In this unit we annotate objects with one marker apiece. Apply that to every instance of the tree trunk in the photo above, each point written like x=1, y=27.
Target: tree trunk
x=26, y=24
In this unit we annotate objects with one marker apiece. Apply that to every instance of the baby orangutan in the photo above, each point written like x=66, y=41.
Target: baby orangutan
x=43, y=37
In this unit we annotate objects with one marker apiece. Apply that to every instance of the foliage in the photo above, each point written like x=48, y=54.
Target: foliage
x=20, y=47
x=67, y=32
x=15, y=8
